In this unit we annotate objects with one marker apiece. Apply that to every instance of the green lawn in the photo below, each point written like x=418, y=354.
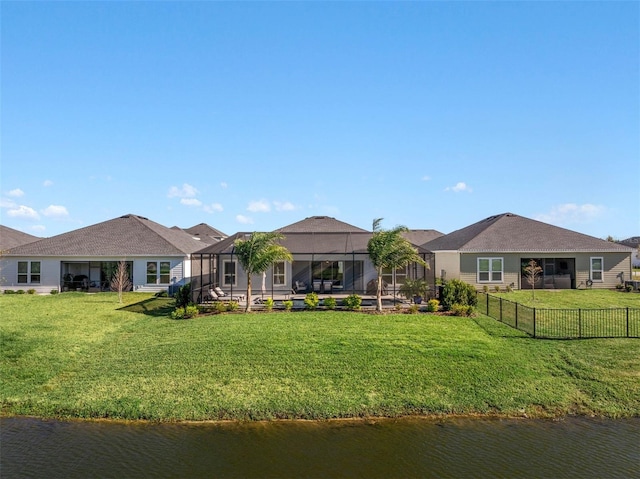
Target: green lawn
x=573, y=298
x=78, y=355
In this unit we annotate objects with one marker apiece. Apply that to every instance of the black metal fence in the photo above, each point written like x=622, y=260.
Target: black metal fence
x=562, y=323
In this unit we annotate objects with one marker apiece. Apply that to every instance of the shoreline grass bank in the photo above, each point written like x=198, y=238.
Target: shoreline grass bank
x=88, y=357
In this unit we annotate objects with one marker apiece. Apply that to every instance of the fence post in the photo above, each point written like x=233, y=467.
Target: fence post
x=516, y=315
x=487, y=296
x=501, y=310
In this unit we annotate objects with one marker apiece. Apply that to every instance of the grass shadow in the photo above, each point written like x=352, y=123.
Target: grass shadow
x=497, y=329
x=157, y=307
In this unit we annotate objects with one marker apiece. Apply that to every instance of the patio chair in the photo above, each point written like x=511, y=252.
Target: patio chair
x=224, y=296
x=299, y=287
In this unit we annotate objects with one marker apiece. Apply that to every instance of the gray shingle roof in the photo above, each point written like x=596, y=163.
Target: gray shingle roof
x=320, y=224
x=128, y=235
x=420, y=237
x=10, y=238
x=206, y=233
x=508, y=232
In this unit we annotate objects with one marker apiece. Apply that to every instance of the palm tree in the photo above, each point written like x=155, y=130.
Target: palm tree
x=257, y=253
x=389, y=249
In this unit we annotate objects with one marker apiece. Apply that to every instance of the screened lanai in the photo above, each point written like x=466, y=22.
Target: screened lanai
x=328, y=263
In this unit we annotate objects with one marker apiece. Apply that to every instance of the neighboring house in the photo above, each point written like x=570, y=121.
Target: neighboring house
x=10, y=238
x=207, y=234
x=329, y=257
x=85, y=259
x=493, y=252
x=633, y=242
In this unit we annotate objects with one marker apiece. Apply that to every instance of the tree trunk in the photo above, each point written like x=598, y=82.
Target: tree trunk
x=248, y=308
x=379, y=291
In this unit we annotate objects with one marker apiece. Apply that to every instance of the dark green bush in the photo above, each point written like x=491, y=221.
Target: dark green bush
x=31, y=291
x=162, y=294
x=458, y=292
x=9, y=291
x=54, y=291
x=20, y=291
x=462, y=310
x=183, y=296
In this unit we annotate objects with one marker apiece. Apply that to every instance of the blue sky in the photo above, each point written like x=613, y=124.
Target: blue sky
x=251, y=116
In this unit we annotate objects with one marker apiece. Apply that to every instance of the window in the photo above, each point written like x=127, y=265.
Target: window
x=164, y=277
x=278, y=273
x=152, y=272
x=597, y=269
x=388, y=275
x=28, y=274
x=490, y=270
x=229, y=273
x=165, y=272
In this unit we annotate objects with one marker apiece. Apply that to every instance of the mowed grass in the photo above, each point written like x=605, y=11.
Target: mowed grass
x=573, y=298
x=86, y=356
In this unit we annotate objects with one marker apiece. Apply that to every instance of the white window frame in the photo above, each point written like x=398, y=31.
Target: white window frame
x=158, y=273
x=491, y=272
x=279, y=279
x=592, y=270
x=234, y=275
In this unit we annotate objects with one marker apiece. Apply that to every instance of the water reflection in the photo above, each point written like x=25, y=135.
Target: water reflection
x=402, y=448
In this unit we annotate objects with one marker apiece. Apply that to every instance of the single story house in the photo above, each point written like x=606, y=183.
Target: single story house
x=494, y=251
x=329, y=257
x=85, y=259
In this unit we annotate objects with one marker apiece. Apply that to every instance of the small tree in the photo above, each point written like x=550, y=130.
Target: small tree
x=257, y=253
x=120, y=280
x=389, y=249
x=531, y=273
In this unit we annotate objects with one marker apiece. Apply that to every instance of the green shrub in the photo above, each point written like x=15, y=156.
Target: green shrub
x=191, y=311
x=183, y=296
x=352, y=302
x=311, y=301
x=220, y=306
x=509, y=288
x=162, y=294
x=177, y=313
x=268, y=304
x=458, y=292
x=330, y=302
x=485, y=289
x=9, y=291
x=496, y=288
x=31, y=291
x=433, y=305
x=232, y=306
x=20, y=291
x=413, y=308
x=54, y=291
x=288, y=305
x=462, y=310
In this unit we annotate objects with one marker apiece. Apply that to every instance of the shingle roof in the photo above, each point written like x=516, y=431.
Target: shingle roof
x=10, y=238
x=320, y=224
x=309, y=243
x=206, y=233
x=420, y=237
x=128, y=235
x=508, y=232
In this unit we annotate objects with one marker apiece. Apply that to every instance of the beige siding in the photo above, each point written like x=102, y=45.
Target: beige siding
x=617, y=266
x=449, y=261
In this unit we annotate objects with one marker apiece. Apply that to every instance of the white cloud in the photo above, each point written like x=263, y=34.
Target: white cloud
x=55, y=211
x=568, y=213
x=190, y=202
x=460, y=186
x=426, y=178
x=16, y=193
x=7, y=203
x=284, y=206
x=23, y=212
x=261, y=206
x=213, y=208
x=186, y=191
x=47, y=183
x=245, y=220
x=224, y=185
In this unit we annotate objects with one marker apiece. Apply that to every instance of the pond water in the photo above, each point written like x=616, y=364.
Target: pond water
x=447, y=448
